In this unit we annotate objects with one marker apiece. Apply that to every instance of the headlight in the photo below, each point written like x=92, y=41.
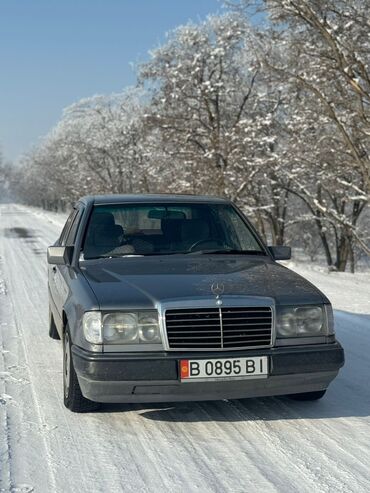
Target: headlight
x=92, y=327
x=120, y=327
x=149, y=329
x=301, y=321
x=131, y=328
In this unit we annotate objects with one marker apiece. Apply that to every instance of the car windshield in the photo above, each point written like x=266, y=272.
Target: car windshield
x=166, y=229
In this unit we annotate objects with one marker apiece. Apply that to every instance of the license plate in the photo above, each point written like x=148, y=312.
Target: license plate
x=223, y=369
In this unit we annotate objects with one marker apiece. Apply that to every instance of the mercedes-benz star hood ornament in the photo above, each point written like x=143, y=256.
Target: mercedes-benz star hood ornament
x=217, y=289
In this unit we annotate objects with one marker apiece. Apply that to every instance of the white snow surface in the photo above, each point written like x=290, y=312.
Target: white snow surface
x=346, y=291
x=269, y=444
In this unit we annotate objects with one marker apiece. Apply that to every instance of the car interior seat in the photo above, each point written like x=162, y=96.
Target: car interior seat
x=171, y=228
x=103, y=236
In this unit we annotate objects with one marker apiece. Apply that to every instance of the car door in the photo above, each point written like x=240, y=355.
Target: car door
x=59, y=273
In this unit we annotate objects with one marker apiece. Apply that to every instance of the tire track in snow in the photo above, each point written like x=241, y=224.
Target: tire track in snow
x=16, y=426
x=301, y=447
x=5, y=476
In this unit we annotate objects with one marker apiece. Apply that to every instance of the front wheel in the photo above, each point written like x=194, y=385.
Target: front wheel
x=308, y=396
x=73, y=398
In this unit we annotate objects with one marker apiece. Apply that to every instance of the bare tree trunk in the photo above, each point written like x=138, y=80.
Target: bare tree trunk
x=342, y=253
x=325, y=242
x=352, y=258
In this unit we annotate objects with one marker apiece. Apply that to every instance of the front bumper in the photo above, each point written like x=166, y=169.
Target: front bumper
x=154, y=377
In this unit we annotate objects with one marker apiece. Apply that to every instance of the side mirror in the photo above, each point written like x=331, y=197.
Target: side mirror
x=280, y=252
x=60, y=255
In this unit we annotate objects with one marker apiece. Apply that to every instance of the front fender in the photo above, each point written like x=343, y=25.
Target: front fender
x=80, y=299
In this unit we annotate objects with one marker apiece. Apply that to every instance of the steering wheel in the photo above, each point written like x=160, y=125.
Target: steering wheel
x=200, y=242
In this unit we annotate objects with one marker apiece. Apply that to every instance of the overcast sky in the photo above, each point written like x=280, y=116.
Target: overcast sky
x=54, y=52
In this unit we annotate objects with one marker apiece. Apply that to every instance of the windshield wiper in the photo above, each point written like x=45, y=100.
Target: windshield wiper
x=121, y=255
x=230, y=251
x=115, y=256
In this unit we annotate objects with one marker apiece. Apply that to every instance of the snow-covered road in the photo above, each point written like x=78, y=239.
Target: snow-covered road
x=270, y=444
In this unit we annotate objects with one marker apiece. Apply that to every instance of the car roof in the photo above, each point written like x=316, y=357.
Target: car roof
x=151, y=198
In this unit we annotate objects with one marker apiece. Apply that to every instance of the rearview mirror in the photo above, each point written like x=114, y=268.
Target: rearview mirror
x=60, y=255
x=166, y=214
x=157, y=213
x=280, y=252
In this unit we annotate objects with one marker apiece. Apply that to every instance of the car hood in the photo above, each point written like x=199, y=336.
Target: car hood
x=133, y=282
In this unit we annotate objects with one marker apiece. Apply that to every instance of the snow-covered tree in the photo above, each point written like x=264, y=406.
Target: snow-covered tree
x=97, y=147
x=204, y=101
x=320, y=50
x=275, y=115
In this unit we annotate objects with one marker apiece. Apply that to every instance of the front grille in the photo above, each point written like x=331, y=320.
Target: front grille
x=219, y=328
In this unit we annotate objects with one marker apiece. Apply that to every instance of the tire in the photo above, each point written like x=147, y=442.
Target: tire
x=308, y=396
x=53, y=333
x=73, y=398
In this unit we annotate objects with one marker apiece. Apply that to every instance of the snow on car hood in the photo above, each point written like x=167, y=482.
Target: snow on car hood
x=132, y=282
